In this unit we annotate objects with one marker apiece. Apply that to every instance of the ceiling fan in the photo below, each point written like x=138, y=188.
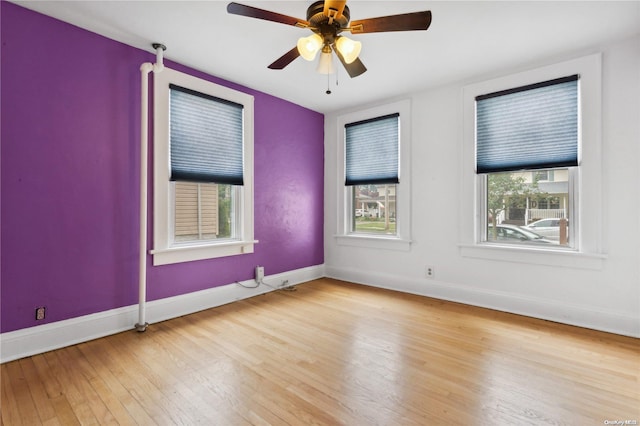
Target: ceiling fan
x=327, y=20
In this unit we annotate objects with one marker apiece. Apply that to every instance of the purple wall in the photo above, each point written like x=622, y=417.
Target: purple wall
x=69, y=169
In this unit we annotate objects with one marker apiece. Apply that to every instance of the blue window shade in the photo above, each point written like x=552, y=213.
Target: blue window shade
x=206, y=138
x=530, y=127
x=372, y=151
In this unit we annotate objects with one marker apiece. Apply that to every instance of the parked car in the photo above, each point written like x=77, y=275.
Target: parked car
x=513, y=233
x=549, y=228
x=366, y=213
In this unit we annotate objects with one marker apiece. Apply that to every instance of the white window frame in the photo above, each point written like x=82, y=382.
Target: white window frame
x=165, y=251
x=585, y=180
x=344, y=235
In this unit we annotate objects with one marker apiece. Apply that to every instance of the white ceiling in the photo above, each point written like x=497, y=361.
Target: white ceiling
x=465, y=40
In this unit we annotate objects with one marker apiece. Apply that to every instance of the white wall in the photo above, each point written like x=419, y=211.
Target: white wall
x=605, y=296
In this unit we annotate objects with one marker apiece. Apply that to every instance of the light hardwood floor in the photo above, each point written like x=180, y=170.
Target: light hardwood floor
x=333, y=353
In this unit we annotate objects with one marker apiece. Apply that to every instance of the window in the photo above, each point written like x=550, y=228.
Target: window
x=511, y=176
x=374, y=177
x=372, y=173
x=203, y=211
x=543, y=175
x=373, y=209
x=518, y=199
x=203, y=169
x=519, y=131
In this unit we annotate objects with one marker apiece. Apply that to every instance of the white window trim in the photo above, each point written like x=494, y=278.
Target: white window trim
x=164, y=252
x=402, y=239
x=588, y=251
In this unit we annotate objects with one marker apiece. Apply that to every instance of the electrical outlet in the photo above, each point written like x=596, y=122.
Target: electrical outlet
x=40, y=313
x=259, y=273
x=430, y=272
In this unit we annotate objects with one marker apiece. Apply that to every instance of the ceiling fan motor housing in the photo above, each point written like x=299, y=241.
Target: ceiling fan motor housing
x=325, y=26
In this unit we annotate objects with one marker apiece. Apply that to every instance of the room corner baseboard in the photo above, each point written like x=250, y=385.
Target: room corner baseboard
x=551, y=310
x=35, y=340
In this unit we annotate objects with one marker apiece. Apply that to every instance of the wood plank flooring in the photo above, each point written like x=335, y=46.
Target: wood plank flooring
x=333, y=353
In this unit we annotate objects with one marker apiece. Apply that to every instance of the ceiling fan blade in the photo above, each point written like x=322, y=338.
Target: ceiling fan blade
x=355, y=68
x=285, y=59
x=334, y=8
x=254, y=12
x=405, y=22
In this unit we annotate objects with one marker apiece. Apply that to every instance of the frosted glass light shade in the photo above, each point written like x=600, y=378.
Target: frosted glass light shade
x=349, y=49
x=309, y=46
x=325, y=64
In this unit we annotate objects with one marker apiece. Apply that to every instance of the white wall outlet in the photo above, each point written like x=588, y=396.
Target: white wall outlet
x=259, y=273
x=429, y=272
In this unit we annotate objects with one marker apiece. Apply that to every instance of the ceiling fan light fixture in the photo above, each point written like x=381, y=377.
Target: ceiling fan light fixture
x=309, y=46
x=349, y=49
x=325, y=64
x=327, y=19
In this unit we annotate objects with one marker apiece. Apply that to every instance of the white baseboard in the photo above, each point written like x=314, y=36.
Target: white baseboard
x=22, y=343
x=551, y=310
x=31, y=341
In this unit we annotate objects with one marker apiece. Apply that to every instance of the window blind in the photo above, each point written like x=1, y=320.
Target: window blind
x=372, y=151
x=206, y=138
x=529, y=127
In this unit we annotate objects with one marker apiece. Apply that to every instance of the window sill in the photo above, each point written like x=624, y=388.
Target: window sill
x=190, y=253
x=534, y=256
x=374, y=241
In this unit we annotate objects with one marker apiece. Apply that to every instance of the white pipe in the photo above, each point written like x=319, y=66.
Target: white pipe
x=145, y=69
x=159, y=65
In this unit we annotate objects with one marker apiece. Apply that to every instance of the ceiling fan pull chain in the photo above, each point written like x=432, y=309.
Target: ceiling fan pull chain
x=328, y=92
